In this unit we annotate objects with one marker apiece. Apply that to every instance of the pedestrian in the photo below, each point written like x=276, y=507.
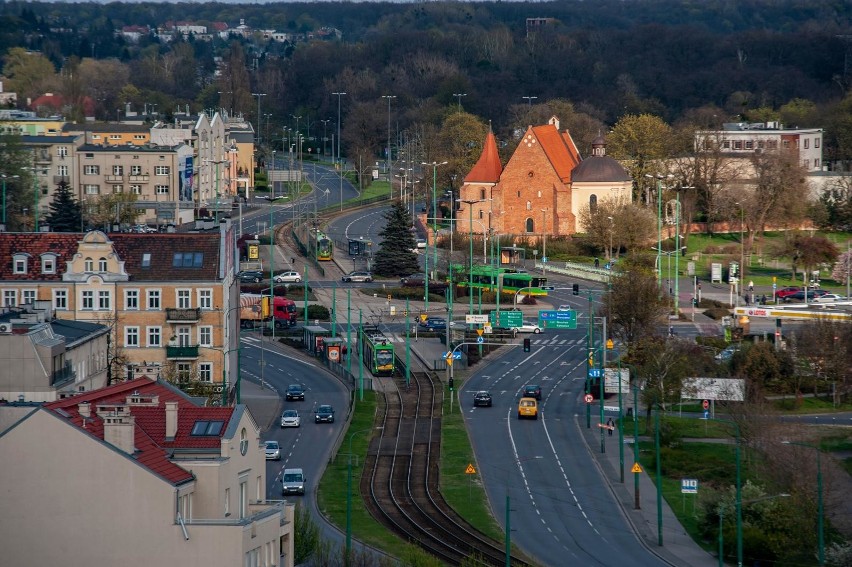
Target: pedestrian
x=292, y=260
x=763, y=299
x=610, y=426
x=751, y=285
x=745, y=297
x=597, y=263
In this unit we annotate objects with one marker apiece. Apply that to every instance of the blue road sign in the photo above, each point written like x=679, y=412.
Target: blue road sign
x=595, y=372
x=480, y=340
x=706, y=414
x=456, y=355
x=548, y=287
x=557, y=319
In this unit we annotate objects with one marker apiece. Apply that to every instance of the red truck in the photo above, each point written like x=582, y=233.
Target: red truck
x=255, y=308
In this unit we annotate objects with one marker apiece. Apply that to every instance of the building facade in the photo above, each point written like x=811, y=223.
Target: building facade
x=743, y=139
x=53, y=162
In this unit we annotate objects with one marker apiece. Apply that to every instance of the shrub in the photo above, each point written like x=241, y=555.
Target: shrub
x=717, y=313
x=318, y=312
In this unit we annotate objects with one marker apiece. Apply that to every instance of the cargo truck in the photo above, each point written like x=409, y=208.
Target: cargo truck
x=256, y=309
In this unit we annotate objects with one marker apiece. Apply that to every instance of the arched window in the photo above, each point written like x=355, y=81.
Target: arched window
x=102, y=265
x=529, y=206
x=530, y=225
x=89, y=265
x=593, y=203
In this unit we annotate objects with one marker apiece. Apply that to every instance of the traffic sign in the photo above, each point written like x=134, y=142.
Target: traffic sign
x=508, y=319
x=423, y=316
x=479, y=340
x=476, y=319
x=548, y=287
x=636, y=468
x=705, y=404
x=557, y=319
x=470, y=469
x=480, y=331
x=595, y=372
x=689, y=485
x=589, y=398
x=455, y=355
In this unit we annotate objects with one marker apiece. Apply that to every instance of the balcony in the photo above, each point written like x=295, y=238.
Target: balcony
x=183, y=352
x=114, y=178
x=43, y=157
x=139, y=178
x=174, y=315
x=64, y=374
x=57, y=179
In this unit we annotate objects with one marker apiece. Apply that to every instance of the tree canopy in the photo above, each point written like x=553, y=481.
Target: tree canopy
x=395, y=256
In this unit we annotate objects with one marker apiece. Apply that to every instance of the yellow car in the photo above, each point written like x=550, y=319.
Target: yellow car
x=528, y=407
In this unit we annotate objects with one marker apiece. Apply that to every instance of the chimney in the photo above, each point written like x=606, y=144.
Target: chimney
x=171, y=420
x=119, y=431
x=85, y=409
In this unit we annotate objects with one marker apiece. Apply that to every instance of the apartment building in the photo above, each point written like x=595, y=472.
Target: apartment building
x=111, y=133
x=170, y=300
x=136, y=474
x=27, y=123
x=45, y=359
x=53, y=159
x=744, y=139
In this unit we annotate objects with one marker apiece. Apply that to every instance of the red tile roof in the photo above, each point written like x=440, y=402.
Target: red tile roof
x=36, y=244
x=559, y=149
x=488, y=168
x=152, y=448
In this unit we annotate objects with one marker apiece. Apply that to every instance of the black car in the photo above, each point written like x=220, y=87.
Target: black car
x=295, y=392
x=324, y=414
x=482, y=398
x=419, y=280
x=251, y=276
x=532, y=391
x=433, y=324
x=800, y=295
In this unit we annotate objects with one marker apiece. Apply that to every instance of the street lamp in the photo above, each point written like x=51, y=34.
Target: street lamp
x=659, y=179
x=5, y=177
x=741, y=273
x=349, y=494
x=543, y=241
x=820, y=512
x=611, y=229
x=529, y=99
x=258, y=95
x=470, y=204
x=324, y=137
x=434, y=207
x=389, y=160
x=339, y=95
x=459, y=96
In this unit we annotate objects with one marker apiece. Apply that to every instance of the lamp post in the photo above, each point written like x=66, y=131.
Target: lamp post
x=543, y=241
x=434, y=208
x=339, y=95
x=389, y=160
x=35, y=195
x=349, y=495
x=5, y=177
x=820, y=511
x=470, y=204
x=324, y=137
x=742, y=256
x=459, y=97
x=659, y=179
x=611, y=229
x=258, y=95
x=529, y=99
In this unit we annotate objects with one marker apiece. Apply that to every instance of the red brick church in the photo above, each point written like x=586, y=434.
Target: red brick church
x=542, y=187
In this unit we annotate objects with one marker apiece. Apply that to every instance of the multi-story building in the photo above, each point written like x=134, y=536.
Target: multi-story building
x=44, y=358
x=53, y=162
x=161, y=177
x=743, y=139
x=136, y=474
x=111, y=133
x=27, y=123
x=169, y=299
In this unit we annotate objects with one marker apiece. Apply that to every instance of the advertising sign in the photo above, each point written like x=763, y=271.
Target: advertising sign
x=185, y=179
x=611, y=380
x=727, y=389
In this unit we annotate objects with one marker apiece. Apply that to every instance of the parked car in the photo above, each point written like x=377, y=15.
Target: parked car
x=830, y=298
x=295, y=392
x=290, y=418
x=251, y=276
x=532, y=391
x=800, y=295
x=785, y=291
x=526, y=327
x=273, y=451
x=528, y=407
x=482, y=398
x=287, y=277
x=324, y=414
x=358, y=277
x=433, y=324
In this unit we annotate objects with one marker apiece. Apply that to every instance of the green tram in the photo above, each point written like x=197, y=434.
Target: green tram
x=325, y=247
x=376, y=351
x=489, y=278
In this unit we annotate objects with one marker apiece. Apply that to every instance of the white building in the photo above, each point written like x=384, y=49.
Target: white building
x=741, y=139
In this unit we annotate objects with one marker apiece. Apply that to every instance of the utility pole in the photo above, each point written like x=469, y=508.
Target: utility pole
x=389, y=159
x=257, y=135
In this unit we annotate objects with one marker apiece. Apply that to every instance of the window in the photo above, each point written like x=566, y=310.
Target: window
x=115, y=136
x=593, y=202
x=816, y=142
x=138, y=136
x=88, y=300
x=10, y=297
x=90, y=156
x=161, y=189
x=749, y=144
x=529, y=206
x=60, y=299
x=785, y=144
x=244, y=509
x=19, y=264
x=62, y=151
x=104, y=300
x=205, y=427
x=227, y=502
x=146, y=260
x=92, y=189
x=807, y=143
x=102, y=265
x=155, y=336
x=205, y=336
x=131, y=336
x=135, y=170
x=28, y=296
x=187, y=259
x=482, y=194
x=62, y=170
x=530, y=225
x=153, y=299
x=92, y=170
x=726, y=144
x=131, y=299
x=205, y=371
x=738, y=144
x=806, y=163
x=205, y=298
x=161, y=170
x=136, y=189
x=118, y=169
x=183, y=335
x=88, y=265
x=184, y=371
x=816, y=162
x=183, y=299
x=118, y=188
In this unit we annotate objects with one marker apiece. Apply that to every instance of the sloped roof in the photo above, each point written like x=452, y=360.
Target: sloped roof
x=600, y=169
x=63, y=244
x=559, y=149
x=152, y=448
x=488, y=168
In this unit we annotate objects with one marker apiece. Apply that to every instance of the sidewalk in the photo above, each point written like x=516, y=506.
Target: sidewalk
x=678, y=548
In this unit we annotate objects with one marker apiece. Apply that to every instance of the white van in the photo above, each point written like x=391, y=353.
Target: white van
x=293, y=482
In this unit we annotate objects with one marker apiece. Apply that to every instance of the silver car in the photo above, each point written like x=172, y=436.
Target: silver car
x=273, y=451
x=288, y=277
x=358, y=277
x=290, y=418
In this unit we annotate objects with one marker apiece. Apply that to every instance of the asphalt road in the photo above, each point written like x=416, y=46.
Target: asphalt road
x=560, y=511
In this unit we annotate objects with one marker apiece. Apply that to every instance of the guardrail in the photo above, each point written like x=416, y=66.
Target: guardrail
x=576, y=270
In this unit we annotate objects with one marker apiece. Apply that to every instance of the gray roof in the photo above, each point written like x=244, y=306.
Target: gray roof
x=67, y=139
x=106, y=127
x=126, y=148
x=74, y=331
x=599, y=169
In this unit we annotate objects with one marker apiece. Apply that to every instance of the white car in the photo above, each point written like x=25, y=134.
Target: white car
x=527, y=328
x=288, y=277
x=565, y=308
x=290, y=418
x=828, y=298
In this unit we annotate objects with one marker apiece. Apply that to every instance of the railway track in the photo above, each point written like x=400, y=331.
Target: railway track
x=400, y=478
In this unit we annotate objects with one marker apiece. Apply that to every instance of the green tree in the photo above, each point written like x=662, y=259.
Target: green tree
x=113, y=208
x=306, y=535
x=629, y=225
x=634, y=305
x=638, y=141
x=395, y=256
x=808, y=252
x=663, y=364
x=27, y=73
x=66, y=214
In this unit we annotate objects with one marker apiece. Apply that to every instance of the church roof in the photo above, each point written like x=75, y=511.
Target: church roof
x=488, y=168
x=599, y=168
x=559, y=148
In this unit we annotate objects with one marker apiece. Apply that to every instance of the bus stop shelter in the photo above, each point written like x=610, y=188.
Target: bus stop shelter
x=315, y=337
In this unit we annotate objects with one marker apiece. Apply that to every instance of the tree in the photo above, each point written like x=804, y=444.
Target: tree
x=843, y=268
x=113, y=208
x=632, y=226
x=395, y=256
x=27, y=73
x=663, y=364
x=306, y=535
x=778, y=188
x=66, y=214
x=634, y=305
x=808, y=252
x=638, y=141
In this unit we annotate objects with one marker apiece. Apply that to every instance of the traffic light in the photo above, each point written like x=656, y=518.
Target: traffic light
x=452, y=385
x=591, y=357
x=389, y=297
x=526, y=345
x=575, y=289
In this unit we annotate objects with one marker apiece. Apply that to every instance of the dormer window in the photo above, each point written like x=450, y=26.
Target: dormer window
x=48, y=264
x=102, y=265
x=20, y=263
x=89, y=265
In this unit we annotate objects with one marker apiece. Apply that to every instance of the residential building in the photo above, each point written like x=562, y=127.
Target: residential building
x=136, y=474
x=53, y=162
x=169, y=299
x=743, y=139
x=44, y=358
x=542, y=187
x=23, y=122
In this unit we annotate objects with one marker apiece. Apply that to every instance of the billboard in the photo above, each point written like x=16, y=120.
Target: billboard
x=611, y=380
x=726, y=389
x=185, y=179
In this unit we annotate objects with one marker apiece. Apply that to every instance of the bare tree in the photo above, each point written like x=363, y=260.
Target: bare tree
x=634, y=305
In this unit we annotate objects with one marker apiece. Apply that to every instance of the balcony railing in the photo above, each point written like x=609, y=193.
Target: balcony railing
x=182, y=352
x=64, y=374
x=175, y=315
x=43, y=157
x=139, y=178
x=115, y=179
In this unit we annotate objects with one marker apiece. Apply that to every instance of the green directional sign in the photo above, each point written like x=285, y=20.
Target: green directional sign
x=557, y=319
x=508, y=319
